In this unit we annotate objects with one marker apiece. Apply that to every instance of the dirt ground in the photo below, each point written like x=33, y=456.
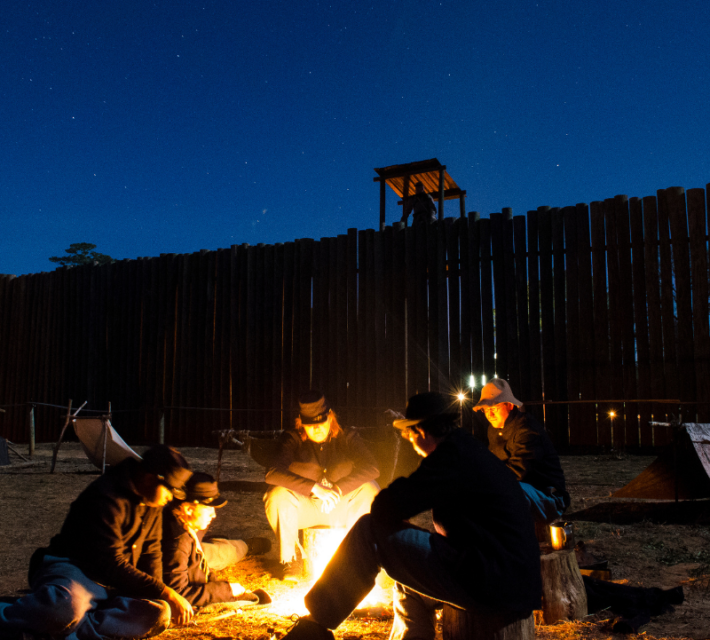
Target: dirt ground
x=644, y=553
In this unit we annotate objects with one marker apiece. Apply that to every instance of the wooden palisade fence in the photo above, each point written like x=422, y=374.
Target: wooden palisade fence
x=586, y=303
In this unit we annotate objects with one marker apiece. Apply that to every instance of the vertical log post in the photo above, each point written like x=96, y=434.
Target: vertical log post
x=67, y=420
x=32, y=431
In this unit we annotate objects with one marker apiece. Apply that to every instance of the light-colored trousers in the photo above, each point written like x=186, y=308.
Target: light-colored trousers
x=221, y=553
x=288, y=511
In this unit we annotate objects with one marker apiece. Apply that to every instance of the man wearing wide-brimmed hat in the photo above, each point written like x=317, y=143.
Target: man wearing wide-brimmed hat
x=188, y=560
x=483, y=553
x=101, y=576
x=519, y=440
x=323, y=474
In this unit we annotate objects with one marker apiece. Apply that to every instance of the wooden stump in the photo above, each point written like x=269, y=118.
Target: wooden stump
x=319, y=545
x=483, y=624
x=563, y=593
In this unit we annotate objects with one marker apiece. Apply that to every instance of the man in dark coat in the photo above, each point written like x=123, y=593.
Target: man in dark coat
x=102, y=574
x=483, y=554
x=323, y=474
x=519, y=440
x=188, y=561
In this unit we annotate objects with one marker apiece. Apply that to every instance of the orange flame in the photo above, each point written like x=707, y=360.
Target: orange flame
x=318, y=557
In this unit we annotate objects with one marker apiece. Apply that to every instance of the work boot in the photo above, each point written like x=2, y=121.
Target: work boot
x=258, y=546
x=292, y=571
x=306, y=629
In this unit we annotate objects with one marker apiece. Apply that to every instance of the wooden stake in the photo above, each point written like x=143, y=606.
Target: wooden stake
x=67, y=420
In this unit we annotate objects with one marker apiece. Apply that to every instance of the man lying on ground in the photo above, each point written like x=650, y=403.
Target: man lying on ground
x=483, y=555
x=187, y=560
x=102, y=574
x=521, y=442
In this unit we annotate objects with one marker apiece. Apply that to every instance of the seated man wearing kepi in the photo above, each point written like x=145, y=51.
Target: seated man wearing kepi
x=102, y=574
x=519, y=440
x=323, y=474
x=484, y=554
x=187, y=560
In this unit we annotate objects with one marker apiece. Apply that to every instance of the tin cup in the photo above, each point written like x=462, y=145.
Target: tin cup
x=562, y=536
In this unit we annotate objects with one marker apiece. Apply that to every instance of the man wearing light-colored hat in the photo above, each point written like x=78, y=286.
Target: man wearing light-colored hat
x=521, y=442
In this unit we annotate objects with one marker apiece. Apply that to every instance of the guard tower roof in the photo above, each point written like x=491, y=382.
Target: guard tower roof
x=425, y=171
x=431, y=173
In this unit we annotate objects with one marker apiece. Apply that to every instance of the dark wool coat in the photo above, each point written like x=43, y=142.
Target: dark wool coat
x=183, y=569
x=481, y=508
x=344, y=461
x=112, y=536
x=526, y=449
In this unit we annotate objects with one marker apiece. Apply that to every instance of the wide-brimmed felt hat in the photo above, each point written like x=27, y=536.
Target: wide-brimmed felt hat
x=313, y=407
x=202, y=488
x=427, y=405
x=495, y=392
x=170, y=467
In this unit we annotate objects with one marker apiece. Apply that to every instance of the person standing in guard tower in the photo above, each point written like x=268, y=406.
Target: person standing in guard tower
x=422, y=204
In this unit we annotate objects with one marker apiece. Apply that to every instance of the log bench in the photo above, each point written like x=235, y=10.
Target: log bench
x=563, y=594
x=484, y=624
x=563, y=598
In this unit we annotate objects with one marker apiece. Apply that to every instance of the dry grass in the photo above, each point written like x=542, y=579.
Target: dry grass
x=662, y=555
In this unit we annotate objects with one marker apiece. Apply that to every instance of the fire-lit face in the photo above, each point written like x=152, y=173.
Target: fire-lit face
x=497, y=414
x=198, y=516
x=318, y=432
x=422, y=442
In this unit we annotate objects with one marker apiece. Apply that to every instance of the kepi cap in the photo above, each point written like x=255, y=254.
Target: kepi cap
x=495, y=392
x=426, y=405
x=170, y=466
x=313, y=407
x=202, y=488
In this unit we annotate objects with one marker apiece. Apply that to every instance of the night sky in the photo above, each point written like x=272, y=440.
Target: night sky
x=173, y=126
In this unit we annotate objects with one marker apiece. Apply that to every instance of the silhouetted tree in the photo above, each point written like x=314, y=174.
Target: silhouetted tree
x=81, y=253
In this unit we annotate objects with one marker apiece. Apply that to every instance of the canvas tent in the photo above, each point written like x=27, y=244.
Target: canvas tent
x=682, y=471
x=101, y=442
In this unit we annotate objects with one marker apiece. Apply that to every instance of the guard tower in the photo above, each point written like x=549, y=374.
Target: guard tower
x=431, y=173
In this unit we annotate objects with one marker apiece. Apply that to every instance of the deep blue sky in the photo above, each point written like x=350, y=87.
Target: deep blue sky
x=172, y=126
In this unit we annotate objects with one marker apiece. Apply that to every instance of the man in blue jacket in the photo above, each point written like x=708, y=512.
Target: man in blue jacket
x=483, y=553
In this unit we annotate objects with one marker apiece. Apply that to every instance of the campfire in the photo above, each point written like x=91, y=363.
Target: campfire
x=319, y=546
